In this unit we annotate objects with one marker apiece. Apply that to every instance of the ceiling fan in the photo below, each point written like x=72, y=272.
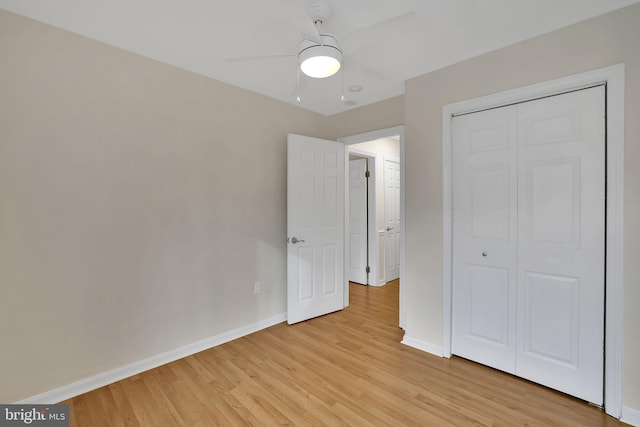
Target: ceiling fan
x=319, y=55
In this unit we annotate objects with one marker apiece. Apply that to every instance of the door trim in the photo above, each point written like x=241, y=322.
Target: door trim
x=370, y=136
x=613, y=77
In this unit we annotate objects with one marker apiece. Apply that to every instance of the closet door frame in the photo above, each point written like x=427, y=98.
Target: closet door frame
x=613, y=78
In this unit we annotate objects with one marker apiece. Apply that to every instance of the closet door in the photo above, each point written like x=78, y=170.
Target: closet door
x=529, y=240
x=561, y=180
x=485, y=237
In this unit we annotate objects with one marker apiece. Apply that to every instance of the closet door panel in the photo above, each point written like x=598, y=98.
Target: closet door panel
x=561, y=180
x=484, y=236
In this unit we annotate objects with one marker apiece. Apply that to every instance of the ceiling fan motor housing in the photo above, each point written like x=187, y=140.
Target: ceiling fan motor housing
x=320, y=12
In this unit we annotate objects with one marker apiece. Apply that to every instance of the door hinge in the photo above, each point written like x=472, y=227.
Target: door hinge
x=367, y=174
x=368, y=269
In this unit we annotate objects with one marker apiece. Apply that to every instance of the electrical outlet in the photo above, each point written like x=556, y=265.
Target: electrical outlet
x=257, y=287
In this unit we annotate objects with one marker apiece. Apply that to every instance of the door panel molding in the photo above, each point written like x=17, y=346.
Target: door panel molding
x=613, y=78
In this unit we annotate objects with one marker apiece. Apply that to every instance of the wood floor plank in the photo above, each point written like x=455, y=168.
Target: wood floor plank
x=344, y=369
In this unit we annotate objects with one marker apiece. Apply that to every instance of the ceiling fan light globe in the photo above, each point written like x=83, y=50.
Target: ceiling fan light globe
x=320, y=67
x=320, y=60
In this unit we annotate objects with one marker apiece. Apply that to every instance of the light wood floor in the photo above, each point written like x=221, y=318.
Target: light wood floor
x=346, y=368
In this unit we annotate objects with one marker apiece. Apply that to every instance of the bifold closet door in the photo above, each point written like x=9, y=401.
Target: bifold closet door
x=485, y=237
x=528, y=239
x=561, y=240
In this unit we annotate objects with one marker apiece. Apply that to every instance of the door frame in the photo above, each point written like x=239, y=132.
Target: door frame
x=371, y=136
x=613, y=78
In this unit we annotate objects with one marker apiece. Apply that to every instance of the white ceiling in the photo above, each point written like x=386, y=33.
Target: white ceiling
x=385, y=42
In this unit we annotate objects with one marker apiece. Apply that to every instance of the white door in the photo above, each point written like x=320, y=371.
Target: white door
x=561, y=236
x=358, y=221
x=392, y=219
x=315, y=227
x=528, y=268
x=484, y=237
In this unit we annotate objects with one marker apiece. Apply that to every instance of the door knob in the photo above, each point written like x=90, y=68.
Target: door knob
x=484, y=254
x=295, y=240
x=389, y=228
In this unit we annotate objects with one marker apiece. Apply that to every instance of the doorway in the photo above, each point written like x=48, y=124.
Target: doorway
x=377, y=148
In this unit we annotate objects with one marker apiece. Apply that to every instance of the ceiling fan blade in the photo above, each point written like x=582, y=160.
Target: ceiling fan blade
x=301, y=20
x=354, y=67
x=260, y=57
x=352, y=40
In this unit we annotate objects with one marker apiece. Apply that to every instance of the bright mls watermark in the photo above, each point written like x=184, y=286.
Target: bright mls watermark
x=34, y=415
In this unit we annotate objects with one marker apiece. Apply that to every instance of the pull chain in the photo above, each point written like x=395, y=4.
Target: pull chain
x=298, y=97
x=342, y=97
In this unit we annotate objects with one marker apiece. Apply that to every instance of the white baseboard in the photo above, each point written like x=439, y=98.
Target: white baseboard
x=630, y=416
x=106, y=378
x=423, y=345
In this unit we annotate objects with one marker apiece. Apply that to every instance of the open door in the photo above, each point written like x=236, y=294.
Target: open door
x=392, y=219
x=315, y=227
x=358, y=267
